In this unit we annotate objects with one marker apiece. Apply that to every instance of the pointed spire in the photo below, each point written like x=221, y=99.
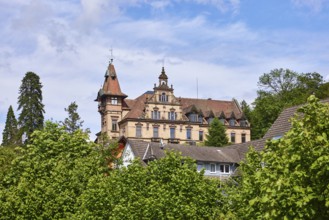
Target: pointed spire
x=111, y=84
x=163, y=74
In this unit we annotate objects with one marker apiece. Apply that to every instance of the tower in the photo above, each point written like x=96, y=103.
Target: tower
x=110, y=103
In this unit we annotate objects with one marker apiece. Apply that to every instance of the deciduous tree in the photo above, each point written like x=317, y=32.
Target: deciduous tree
x=168, y=188
x=290, y=178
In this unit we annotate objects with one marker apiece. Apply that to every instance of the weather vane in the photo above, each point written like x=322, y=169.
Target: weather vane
x=111, y=57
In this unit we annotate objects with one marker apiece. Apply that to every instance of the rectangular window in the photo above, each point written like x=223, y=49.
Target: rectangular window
x=193, y=117
x=114, y=100
x=114, y=125
x=155, y=114
x=224, y=168
x=212, y=168
x=172, y=133
x=233, y=137
x=155, y=132
x=200, y=135
x=200, y=166
x=243, y=138
x=172, y=116
x=243, y=123
x=138, y=131
x=188, y=134
x=232, y=122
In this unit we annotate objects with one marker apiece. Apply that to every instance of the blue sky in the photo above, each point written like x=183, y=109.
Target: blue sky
x=225, y=45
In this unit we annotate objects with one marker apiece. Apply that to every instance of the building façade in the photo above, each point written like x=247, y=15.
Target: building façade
x=159, y=115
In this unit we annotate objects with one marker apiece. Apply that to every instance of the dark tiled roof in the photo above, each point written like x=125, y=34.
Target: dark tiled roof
x=208, y=105
x=138, y=147
x=244, y=147
x=282, y=124
x=207, y=154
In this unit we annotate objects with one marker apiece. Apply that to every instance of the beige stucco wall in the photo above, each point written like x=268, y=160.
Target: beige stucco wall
x=128, y=129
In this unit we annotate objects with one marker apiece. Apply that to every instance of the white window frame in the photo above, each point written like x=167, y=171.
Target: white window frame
x=114, y=100
x=214, y=166
x=224, y=166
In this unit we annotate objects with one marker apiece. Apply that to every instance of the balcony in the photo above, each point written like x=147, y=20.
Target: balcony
x=173, y=140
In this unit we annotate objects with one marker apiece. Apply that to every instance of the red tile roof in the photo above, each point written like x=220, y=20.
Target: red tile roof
x=111, y=84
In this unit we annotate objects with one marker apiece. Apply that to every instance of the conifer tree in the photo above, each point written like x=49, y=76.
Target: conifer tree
x=216, y=136
x=73, y=122
x=10, y=133
x=30, y=103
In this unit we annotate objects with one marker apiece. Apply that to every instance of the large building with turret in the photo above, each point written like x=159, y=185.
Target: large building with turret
x=158, y=115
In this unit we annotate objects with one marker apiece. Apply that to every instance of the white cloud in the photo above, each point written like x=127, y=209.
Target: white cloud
x=314, y=5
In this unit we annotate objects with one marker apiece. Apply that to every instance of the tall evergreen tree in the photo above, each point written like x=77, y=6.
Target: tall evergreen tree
x=73, y=122
x=10, y=133
x=30, y=103
x=217, y=135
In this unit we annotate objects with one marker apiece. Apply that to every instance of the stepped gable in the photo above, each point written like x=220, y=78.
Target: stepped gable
x=208, y=105
x=111, y=84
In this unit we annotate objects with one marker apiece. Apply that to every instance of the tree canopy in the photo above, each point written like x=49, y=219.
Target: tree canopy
x=279, y=89
x=168, y=188
x=290, y=178
x=73, y=122
x=10, y=133
x=61, y=175
x=216, y=136
x=30, y=103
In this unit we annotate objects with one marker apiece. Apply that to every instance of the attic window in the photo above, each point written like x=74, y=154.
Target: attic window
x=163, y=97
x=210, y=120
x=193, y=117
x=232, y=122
x=243, y=123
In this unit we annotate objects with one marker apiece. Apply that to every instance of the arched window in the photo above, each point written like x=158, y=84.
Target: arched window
x=163, y=97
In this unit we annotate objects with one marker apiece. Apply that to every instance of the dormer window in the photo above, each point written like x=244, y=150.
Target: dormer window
x=209, y=120
x=232, y=122
x=243, y=123
x=163, y=97
x=222, y=120
x=193, y=117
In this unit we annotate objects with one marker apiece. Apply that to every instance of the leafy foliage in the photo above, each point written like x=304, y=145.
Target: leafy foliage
x=30, y=102
x=7, y=155
x=10, y=133
x=168, y=188
x=290, y=178
x=216, y=136
x=279, y=89
x=73, y=122
x=46, y=181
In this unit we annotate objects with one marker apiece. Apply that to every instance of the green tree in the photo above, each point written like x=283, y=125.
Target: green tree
x=279, y=89
x=30, y=103
x=290, y=178
x=168, y=188
x=216, y=136
x=53, y=171
x=7, y=155
x=10, y=133
x=73, y=122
